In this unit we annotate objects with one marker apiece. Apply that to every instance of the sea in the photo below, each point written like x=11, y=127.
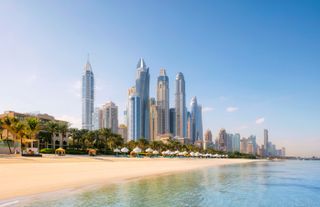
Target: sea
x=262, y=184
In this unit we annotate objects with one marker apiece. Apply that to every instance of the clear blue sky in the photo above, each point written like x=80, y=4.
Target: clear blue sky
x=252, y=64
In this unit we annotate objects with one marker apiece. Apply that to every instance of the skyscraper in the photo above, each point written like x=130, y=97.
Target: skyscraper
x=196, y=121
x=236, y=143
x=173, y=121
x=253, y=140
x=243, y=145
x=189, y=126
x=87, y=96
x=142, y=90
x=133, y=115
x=266, y=143
x=153, y=120
x=222, y=140
x=180, y=107
x=96, y=119
x=229, y=142
x=109, y=117
x=207, y=142
x=123, y=131
x=163, y=103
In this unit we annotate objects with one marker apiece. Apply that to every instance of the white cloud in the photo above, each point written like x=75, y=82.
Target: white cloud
x=260, y=120
x=232, y=109
x=207, y=109
x=74, y=121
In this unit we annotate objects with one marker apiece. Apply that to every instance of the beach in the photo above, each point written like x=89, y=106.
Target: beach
x=21, y=176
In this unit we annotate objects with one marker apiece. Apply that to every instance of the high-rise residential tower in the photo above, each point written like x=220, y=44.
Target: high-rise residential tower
x=173, y=121
x=266, y=143
x=196, y=121
x=153, y=120
x=163, y=103
x=87, y=96
x=189, y=125
x=123, y=131
x=109, y=117
x=207, y=142
x=96, y=119
x=142, y=90
x=180, y=107
x=222, y=140
x=133, y=115
x=236, y=143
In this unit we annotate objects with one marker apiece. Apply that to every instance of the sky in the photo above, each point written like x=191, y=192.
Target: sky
x=252, y=64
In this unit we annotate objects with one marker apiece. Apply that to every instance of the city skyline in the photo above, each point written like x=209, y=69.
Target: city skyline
x=255, y=78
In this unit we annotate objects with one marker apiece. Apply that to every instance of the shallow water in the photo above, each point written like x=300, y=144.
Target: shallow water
x=283, y=183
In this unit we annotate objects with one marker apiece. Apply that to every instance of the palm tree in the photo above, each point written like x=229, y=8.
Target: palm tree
x=8, y=123
x=44, y=137
x=63, y=129
x=132, y=144
x=114, y=141
x=18, y=130
x=156, y=145
x=76, y=135
x=83, y=135
x=32, y=128
x=52, y=128
x=143, y=143
x=89, y=139
x=1, y=130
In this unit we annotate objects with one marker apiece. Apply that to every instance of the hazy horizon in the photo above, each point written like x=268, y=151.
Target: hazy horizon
x=252, y=64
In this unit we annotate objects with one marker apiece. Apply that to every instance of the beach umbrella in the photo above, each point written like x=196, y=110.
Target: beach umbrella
x=192, y=154
x=116, y=150
x=124, y=150
x=184, y=152
x=137, y=150
x=164, y=152
x=177, y=152
x=92, y=152
x=60, y=151
x=149, y=150
x=180, y=154
x=197, y=154
x=155, y=152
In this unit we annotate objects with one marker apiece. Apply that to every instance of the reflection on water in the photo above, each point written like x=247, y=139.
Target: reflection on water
x=290, y=183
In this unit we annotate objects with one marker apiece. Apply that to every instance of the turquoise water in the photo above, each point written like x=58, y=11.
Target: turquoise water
x=283, y=183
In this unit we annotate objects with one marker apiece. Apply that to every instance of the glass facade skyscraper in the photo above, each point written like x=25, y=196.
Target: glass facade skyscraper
x=142, y=91
x=87, y=97
x=266, y=143
x=133, y=115
x=163, y=103
x=180, y=107
x=173, y=121
x=196, y=121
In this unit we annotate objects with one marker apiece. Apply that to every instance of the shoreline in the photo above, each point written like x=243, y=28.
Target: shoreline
x=28, y=177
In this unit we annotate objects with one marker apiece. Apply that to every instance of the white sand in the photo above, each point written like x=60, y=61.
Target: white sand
x=28, y=176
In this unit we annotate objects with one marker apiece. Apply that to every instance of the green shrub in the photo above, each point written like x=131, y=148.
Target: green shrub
x=47, y=151
x=76, y=152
